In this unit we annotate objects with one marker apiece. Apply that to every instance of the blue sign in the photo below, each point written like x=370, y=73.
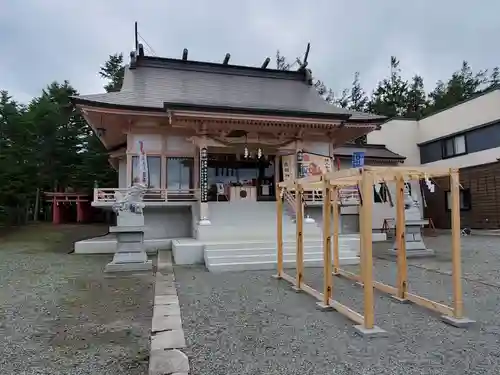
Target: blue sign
x=358, y=159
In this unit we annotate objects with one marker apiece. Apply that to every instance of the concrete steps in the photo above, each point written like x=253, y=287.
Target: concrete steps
x=242, y=236
x=259, y=255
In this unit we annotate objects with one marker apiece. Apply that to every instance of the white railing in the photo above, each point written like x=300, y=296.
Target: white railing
x=107, y=195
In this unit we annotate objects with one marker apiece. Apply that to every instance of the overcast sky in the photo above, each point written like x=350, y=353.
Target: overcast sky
x=46, y=40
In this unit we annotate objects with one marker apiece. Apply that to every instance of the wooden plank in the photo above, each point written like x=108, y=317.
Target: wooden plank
x=337, y=306
x=347, y=312
x=279, y=230
x=305, y=181
x=349, y=275
x=352, y=176
x=376, y=284
x=402, y=270
x=343, y=173
x=429, y=171
x=366, y=218
x=312, y=292
x=288, y=278
x=327, y=245
x=458, y=304
x=385, y=288
x=336, y=229
x=429, y=304
x=299, y=213
x=304, y=287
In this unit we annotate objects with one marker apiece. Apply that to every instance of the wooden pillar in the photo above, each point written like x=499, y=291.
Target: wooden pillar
x=277, y=159
x=56, y=212
x=79, y=212
x=458, y=305
x=367, y=256
x=129, y=170
x=361, y=239
x=279, y=230
x=336, y=229
x=163, y=173
x=196, y=168
x=402, y=273
x=299, y=193
x=327, y=244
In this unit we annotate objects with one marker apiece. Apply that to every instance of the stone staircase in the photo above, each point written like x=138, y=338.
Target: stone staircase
x=242, y=236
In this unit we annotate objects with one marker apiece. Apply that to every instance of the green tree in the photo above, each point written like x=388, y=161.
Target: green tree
x=390, y=96
x=416, y=99
x=357, y=100
x=462, y=85
x=494, y=79
x=113, y=70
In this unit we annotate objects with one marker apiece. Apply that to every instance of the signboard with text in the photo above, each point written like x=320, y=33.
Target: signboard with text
x=358, y=159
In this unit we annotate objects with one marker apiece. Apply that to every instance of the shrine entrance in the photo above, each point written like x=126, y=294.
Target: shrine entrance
x=69, y=207
x=233, y=177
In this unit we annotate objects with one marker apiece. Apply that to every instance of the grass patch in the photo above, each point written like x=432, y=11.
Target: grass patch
x=45, y=233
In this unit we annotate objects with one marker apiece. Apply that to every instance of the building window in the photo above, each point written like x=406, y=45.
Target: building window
x=465, y=201
x=454, y=146
x=154, y=169
x=180, y=173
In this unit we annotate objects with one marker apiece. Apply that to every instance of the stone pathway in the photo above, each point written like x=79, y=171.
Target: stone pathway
x=167, y=335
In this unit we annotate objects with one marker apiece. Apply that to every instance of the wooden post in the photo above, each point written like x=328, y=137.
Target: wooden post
x=79, y=211
x=367, y=256
x=336, y=229
x=458, y=305
x=402, y=274
x=56, y=211
x=361, y=240
x=279, y=229
x=327, y=244
x=299, y=193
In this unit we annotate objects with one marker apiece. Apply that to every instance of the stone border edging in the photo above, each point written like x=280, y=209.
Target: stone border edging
x=167, y=336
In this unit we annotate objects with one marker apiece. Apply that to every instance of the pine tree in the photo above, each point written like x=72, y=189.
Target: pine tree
x=462, y=85
x=114, y=71
x=416, y=99
x=357, y=98
x=494, y=79
x=390, y=96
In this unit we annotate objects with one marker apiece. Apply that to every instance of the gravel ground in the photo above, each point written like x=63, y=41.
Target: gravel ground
x=60, y=314
x=248, y=323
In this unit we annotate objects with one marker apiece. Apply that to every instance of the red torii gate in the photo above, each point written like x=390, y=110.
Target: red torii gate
x=82, y=201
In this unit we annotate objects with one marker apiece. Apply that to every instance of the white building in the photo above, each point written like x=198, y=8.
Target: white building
x=464, y=136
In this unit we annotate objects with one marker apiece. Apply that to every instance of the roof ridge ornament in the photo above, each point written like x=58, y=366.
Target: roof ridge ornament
x=133, y=59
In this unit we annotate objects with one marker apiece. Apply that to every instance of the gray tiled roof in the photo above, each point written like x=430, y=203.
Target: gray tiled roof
x=215, y=85
x=371, y=151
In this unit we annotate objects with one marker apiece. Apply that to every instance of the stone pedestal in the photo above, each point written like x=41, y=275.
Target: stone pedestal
x=415, y=246
x=130, y=254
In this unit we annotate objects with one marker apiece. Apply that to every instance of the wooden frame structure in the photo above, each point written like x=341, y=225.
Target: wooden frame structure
x=365, y=178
